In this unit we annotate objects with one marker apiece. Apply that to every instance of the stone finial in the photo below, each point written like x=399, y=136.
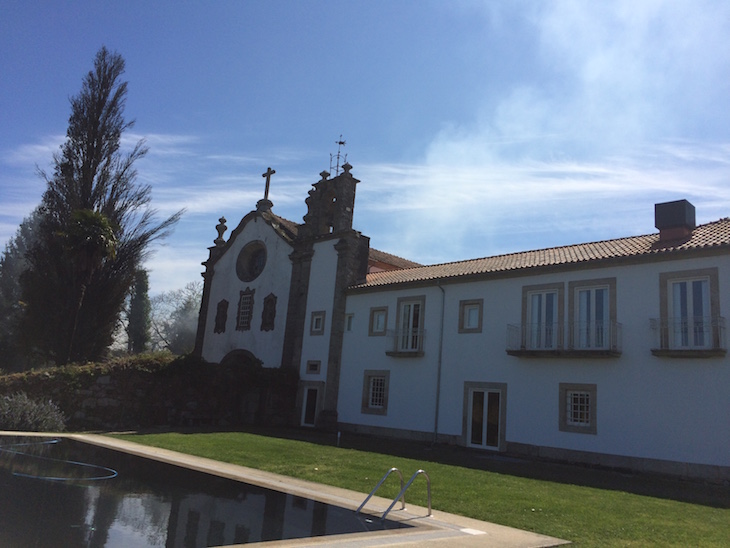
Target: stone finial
x=264, y=205
x=324, y=175
x=221, y=228
x=346, y=167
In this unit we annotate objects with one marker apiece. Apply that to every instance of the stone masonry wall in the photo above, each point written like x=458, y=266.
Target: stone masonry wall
x=159, y=390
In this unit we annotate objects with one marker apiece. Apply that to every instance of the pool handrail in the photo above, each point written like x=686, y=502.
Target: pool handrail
x=403, y=491
x=401, y=496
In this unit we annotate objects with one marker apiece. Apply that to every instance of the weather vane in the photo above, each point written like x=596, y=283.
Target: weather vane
x=339, y=157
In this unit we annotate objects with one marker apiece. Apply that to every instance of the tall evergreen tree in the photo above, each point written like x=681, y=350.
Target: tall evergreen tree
x=96, y=226
x=138, y=319
x=12, y=265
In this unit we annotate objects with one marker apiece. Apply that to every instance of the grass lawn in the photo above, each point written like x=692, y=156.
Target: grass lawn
x=590, y=508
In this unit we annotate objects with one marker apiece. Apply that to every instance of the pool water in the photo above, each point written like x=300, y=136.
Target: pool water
x=62, y=492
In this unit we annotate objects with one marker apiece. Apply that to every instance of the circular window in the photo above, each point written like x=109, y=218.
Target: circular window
x=251, y=261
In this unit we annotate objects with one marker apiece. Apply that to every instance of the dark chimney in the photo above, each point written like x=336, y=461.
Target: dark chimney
x=675, y=220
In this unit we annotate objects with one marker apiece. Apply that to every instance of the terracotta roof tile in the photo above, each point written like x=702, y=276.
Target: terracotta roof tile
x=711, y=235
x=289, y=229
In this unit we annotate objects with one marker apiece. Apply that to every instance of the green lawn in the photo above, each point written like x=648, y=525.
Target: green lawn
x=587, y=516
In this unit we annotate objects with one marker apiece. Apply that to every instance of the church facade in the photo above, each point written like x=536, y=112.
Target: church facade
x=611, y=353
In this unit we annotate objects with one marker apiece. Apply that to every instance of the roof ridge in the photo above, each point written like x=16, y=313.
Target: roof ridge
x=703, y=236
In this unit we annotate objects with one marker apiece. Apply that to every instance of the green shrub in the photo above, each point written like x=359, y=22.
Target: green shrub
x=19, y=412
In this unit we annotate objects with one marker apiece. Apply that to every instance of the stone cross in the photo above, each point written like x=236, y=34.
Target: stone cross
x=268, y=174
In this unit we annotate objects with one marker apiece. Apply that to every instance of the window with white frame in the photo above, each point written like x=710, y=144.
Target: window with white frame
x=592, y=317
x=593, y=314
x=410, y=324
x=378, y=321
x=578, y=408
x=470, y=316
x=245, y=310
x=690, y=321
x=316, y=326
x=689, y=310
x=375, y=392
x=542, y=328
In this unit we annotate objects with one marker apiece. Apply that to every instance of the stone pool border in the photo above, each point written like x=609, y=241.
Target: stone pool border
x=441, y=529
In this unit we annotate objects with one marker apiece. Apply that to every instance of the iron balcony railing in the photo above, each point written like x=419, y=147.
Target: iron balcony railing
x=564, y=338
x=406, y=341
x=694, y=333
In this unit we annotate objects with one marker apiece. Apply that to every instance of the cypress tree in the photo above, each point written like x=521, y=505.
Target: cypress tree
x=96, y=226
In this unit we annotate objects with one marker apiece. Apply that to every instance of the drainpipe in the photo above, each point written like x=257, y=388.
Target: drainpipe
x=440, y=360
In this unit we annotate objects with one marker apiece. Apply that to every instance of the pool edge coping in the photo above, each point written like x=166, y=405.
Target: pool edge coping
x=440, y=529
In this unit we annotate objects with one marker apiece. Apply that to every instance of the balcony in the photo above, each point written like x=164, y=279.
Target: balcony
x=568, y=340
x=689, y=337
x=406, y=343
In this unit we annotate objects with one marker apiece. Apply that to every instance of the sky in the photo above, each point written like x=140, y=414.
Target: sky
x=476, y=128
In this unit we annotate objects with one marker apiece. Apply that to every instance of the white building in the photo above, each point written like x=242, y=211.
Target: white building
x=610, y=353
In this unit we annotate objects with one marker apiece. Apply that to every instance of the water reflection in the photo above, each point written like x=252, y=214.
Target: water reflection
x=64, y=494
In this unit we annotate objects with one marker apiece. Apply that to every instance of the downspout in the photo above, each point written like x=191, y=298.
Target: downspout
x=440, y=361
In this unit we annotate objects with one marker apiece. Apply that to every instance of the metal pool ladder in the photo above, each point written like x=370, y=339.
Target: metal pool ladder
x=402, y=494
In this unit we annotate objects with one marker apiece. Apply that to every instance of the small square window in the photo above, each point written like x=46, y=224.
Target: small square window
x=378, y=321
x=470, y=316
x=317, y=325
x=375, y=392
x=313, y=366
x=578, y=408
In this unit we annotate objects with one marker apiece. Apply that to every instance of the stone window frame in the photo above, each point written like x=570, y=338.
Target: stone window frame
x=313, y=367
x=251, y=261
x=577, y=285
x=221, y=317
x=244, y=315
x=410, y=348
x=465, y=305
x=486, y=387
x=304, y=387
x=527, y=292
x=666, y=278
x=565, y=425
x=374, y=311
x=368, y=376
x=317, y=316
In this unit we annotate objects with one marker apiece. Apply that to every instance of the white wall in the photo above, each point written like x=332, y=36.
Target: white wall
x=275, y=278
x=647, y=406
x=320, y=297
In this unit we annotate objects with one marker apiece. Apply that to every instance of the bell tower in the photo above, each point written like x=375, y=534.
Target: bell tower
x=330, y=204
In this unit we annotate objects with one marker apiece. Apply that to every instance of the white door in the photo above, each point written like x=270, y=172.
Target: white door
x=484, y=418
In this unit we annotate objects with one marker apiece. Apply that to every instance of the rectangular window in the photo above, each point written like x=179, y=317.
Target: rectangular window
x=593, y=318
x=410, y=325
x=542, y=329
x=348, y=322
x=578, y=408
x=689, y=314
x=592, y=310
x=313, y=366
x=378, y=321
x=690, y=318
x=375, y=392
x=470, y=316
x=317, y=325
x=245, y=310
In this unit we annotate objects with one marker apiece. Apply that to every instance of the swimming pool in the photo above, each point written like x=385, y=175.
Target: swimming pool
x=62, y=492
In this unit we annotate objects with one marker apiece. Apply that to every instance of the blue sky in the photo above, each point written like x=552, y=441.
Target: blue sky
x=476, y=127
